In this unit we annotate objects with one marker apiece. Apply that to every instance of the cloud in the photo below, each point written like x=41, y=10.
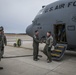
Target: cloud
x=16, y=15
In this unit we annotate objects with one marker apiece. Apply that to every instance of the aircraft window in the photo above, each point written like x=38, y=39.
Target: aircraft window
x=39, y=27
x=41, y=11
x=46, y=10
x=35, y=22
x=38, y=24
x=71, y=28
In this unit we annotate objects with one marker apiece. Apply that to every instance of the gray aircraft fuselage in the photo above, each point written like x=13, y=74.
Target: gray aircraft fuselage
x=60, y=13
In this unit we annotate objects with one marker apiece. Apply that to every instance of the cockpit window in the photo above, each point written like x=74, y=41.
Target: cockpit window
x=46, y=10
x=41, y=11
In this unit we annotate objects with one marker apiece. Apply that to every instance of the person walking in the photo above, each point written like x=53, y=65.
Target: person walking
x=48, y=46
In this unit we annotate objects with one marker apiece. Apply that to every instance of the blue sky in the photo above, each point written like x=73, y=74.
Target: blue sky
x=16, y=15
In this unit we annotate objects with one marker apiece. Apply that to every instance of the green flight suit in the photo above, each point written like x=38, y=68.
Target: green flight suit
x=35, y=46
x=48, y=46
x=4, y=43
x=1, y=42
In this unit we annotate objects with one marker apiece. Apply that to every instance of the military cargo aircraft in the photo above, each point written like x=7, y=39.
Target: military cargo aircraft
x=59, y=18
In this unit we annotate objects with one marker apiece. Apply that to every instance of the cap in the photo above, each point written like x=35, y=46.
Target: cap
x=1, y=28
x=36, y=31
x=49, y=32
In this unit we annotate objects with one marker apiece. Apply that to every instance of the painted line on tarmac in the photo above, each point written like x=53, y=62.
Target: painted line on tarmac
x=20, y=47
x=17, y=56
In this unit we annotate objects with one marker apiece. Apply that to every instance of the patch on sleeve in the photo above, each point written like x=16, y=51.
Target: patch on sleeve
x=34, y=36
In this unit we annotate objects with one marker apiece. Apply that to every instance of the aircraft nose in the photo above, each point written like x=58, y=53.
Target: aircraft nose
x=29, y=30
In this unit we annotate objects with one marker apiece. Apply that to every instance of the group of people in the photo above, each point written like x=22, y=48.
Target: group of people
x=2, y=42
x=36, y=41
x=47, y=48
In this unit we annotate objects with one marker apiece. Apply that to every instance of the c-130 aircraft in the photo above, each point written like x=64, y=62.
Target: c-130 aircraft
x=59, y=18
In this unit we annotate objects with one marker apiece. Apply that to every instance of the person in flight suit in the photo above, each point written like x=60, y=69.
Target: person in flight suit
x=48, y=46
x=36, y=46
x=1, y=42
x=4, y=41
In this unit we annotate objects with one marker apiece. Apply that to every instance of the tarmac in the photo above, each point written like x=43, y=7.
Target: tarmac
x=19, y=61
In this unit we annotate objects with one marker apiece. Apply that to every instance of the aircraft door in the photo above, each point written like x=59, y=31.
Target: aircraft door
x=60, y=33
